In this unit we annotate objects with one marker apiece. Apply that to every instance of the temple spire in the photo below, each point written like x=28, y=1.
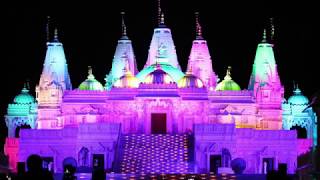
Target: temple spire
x=198, y=27
x=264, y=37
x=123, y=25
x=55, y=37
x=48, y=29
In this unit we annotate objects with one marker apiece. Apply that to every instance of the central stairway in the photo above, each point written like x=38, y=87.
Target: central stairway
x=155, y=153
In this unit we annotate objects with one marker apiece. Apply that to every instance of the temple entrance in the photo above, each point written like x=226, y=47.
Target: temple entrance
x=215, y=163
x=158, y=123
x=267, y=165
x=98, y=161
x=301, y=131
x=24, y=126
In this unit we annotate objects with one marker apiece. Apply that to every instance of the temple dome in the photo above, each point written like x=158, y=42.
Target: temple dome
x=158, y=76
x=298, y=98
x=128, y=80
x=91, y=83
x=175, y=73
x=24, y=97
x=190, y=81
x=228, y=84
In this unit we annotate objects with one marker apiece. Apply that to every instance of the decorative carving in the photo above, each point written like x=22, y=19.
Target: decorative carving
x=83, y=157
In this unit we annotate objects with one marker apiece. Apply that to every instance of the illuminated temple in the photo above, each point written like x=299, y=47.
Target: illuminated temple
x=160, y=119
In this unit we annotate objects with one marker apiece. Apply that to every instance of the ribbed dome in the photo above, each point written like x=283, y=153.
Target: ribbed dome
x=175, y=73
x=128, y=80
x=298, y=98
x=158, y=76
x=228, y=84
x=24, y=97
x=91, y=83
x=190, y=81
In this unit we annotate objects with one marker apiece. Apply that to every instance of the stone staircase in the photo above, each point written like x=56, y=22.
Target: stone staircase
x=155, y=154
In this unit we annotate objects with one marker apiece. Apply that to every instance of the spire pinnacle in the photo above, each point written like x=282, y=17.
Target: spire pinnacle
x=228, y=75
x=264, y=37
x=55, y=37
x=48, y=28
x=123, y=25
x=198, y=27
x=162, y=19
x=25, y=88
x=89, y=70
x=272, y=30
x=160, y=16
x=159, y=12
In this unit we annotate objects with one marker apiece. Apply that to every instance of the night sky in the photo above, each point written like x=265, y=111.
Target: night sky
x=90, y=32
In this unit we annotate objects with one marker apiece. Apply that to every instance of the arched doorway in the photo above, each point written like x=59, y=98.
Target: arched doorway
x=69, y=165
x=301, y=131
x=17, y=131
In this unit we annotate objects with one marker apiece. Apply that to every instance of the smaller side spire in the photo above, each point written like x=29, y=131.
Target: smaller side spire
x=198, y=27
x=264, y=37
x=123, y=25
x=55, y=37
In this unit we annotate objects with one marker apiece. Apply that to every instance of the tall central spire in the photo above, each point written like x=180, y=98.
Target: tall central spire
x=162, y=48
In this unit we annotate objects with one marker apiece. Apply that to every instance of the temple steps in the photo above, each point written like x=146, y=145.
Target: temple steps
x=155, y=154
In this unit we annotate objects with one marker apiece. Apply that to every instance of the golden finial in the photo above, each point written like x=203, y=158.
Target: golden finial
x=162, y=19
x=272, y=28
x=47, y=28
x=198, y=26
x=159, y=12
x=264, y=37
x=55, y=37
x=229, y=71
x=124, y=28
x=89, y=70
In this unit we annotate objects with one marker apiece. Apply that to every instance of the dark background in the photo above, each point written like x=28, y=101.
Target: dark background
x=90, y=31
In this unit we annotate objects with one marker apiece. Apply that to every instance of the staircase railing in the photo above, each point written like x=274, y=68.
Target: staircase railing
x=115, y=164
